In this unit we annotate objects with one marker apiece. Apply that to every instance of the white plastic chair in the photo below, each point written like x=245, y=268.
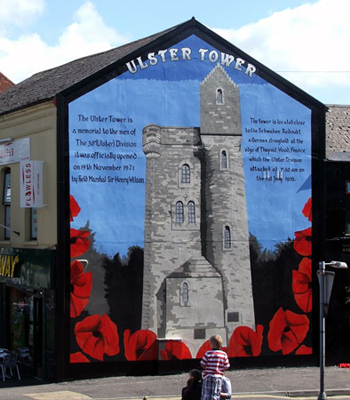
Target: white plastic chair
x=4, y=353
x=24, y=353
x=2, y=371
x=10, y=362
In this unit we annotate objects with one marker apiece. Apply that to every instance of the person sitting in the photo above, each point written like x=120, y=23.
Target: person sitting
x=226, y=391
x=193, y=389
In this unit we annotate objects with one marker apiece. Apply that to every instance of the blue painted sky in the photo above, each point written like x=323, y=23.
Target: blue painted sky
x=168, y=94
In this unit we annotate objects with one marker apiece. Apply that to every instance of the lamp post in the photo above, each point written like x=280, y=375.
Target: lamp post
x=325, y=279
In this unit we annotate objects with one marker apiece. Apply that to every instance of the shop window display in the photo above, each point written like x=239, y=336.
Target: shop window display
x=21, y=326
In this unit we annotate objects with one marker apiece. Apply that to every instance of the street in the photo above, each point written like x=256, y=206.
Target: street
x=255, y=384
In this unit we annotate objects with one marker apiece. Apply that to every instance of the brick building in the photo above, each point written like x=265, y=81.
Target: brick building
x=5, y=83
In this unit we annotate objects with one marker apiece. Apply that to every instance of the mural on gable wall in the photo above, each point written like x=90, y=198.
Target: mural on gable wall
x=190, y=182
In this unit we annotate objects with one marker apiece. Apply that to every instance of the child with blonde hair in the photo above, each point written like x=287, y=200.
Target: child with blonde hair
x=214, y=364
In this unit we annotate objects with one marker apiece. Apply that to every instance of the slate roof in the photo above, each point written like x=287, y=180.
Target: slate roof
x=5, y=83
x=195, y=268
x=45, y=85
x=338, y=132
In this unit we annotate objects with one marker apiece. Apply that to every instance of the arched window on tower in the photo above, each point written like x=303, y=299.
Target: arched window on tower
x=227, y=237
x=179, y=213
x=219, y=96
x=185, y=174
x=185, y=293
x=191, y=212
x=223, y=159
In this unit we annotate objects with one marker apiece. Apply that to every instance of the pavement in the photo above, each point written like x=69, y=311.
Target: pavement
x=253, y=384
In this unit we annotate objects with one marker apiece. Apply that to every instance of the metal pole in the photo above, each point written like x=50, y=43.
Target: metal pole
x=322, y=268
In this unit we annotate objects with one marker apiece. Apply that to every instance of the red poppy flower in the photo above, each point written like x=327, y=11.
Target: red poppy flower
x=74, y=208
x=344, y=365
x=245, y=342
x=287, y=331
x=303, y=242
x=79, y=242
x=304, y=350
x=80, y=288
x=203, y=349
x=307, y=210
x=78, y=357
x=141, y=345
x=175, y=350
x=302, y=289
x=97, y=335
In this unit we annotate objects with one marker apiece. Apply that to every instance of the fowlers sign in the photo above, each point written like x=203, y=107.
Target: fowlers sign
x=31, y=184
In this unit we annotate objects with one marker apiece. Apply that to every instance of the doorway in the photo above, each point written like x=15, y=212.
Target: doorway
x=25, y=324
x=38, y=336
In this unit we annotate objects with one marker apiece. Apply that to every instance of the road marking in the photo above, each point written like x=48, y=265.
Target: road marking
x=66, y=394
x=277, y=396
x=240, y=396
x=63, y=395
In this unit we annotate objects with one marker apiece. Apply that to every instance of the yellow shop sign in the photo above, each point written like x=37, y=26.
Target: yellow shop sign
x=7, y=265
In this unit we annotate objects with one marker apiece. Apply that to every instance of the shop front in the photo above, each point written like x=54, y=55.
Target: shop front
x=337, y=247
x=27, y=308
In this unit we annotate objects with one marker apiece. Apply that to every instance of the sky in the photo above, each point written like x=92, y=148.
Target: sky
x=307, y=42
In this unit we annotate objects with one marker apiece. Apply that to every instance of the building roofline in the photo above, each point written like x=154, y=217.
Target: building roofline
x=76, y=77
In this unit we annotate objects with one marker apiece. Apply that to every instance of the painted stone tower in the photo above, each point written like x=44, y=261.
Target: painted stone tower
x=225, y=223
x=197, y=278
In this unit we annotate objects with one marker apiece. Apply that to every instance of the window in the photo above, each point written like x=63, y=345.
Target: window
x=219, y=96
x=7, y=203
x=347, y=208
x=33, y=223
x=227, y=238
x=179, y=212
x=185, y=295
x=233, y=316
x=347, y=222
x=347, y=187
x=223, y=159
x=199, y=334
x=185, y=174
x=191, y=212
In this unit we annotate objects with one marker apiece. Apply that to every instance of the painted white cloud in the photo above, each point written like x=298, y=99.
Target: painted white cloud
x=312, y=41
x=28, y=54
